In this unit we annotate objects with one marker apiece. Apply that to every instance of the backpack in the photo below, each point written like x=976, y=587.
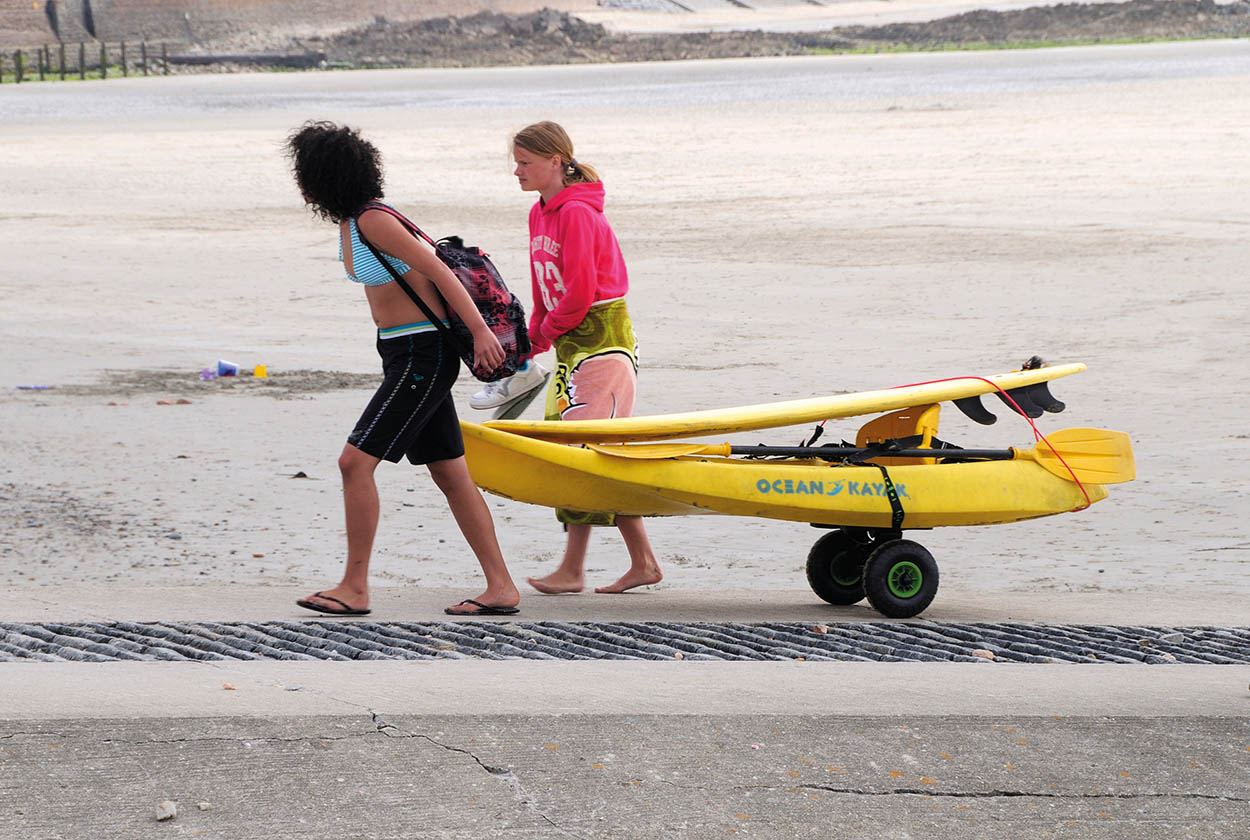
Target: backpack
x=500, y=308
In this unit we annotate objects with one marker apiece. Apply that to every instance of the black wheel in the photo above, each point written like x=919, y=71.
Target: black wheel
x=835, y=566
x=900, y=578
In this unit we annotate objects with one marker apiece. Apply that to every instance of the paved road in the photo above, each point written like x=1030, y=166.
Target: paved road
x=617, y=749
x=603, y=775
x=781, y=15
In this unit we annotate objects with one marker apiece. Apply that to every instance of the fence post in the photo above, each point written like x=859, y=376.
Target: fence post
x=165, y=57
x=82, y=60
x=125, y=69
x=1, y=67
x=39, y=60
x=104, y=61
x=17, y=62
x=62, y=57
x=143, y=51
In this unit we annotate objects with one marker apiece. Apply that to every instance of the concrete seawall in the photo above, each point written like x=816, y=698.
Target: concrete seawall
x=204, y=21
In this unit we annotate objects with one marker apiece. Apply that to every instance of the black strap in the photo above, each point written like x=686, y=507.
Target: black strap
x=896, y=506
x=816, y=433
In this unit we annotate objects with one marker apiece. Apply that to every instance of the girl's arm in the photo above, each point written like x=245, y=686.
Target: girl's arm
x=538, y=312
x=390, y=237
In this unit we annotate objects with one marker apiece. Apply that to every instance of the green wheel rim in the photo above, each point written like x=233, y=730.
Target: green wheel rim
x=844, y=571
x=905, y=580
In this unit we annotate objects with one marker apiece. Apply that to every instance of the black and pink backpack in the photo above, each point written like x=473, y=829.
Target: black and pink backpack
x=500, y=308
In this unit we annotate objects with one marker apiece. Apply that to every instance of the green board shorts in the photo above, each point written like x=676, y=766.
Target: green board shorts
x=596, y=377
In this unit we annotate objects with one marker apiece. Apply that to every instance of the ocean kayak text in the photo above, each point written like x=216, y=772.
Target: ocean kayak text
x=790, y=487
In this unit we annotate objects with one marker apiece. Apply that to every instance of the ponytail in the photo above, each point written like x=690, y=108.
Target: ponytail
x=547, y=139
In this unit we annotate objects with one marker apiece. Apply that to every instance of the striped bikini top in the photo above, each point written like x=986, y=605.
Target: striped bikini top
x=368, y=270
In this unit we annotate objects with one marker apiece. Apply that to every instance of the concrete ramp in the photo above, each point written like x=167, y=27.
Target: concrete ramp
x=206, y=21
x=24, y=24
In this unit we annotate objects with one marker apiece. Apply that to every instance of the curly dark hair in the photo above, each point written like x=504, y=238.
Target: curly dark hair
x=337, y=170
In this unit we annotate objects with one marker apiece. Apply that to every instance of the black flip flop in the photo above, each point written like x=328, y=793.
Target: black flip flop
x=483, y=609
x=347, y=610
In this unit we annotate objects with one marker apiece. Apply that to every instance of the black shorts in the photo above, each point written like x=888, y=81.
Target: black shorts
x=412, y=412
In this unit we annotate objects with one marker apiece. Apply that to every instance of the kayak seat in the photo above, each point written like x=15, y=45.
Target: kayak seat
x=916, y=422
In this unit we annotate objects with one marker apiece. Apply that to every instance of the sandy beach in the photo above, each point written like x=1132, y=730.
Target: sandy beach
x=793, y=227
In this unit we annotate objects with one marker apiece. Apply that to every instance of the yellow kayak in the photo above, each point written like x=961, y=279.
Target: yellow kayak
x=896, y=476
x=799, y=490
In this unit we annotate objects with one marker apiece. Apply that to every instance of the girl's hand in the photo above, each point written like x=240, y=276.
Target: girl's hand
x=487, y=351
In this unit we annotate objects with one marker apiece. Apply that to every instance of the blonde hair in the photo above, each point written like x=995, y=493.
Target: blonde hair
x=547, y=139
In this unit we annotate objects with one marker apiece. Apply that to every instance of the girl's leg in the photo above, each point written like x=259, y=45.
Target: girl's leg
x=595, y=378
x=643, y=569
x=604, y=387
x=569, y=577
x=360, y=503
x=473, y=517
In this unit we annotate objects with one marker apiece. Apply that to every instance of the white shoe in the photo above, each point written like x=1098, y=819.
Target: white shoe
x=503, y=391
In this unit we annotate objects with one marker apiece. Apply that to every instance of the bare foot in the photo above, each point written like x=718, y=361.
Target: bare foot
x=557, y=584
x=631, y=580
x=340, y=600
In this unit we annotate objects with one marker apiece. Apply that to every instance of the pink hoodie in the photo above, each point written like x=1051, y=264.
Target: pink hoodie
x=575, y=261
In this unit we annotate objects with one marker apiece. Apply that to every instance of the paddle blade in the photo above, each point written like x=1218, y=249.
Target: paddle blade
x=657, y=451
x=1091, y=456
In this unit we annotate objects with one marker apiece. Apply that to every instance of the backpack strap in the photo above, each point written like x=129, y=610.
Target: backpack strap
x=403, y=220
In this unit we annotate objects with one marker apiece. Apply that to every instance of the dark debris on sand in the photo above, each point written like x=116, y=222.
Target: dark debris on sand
x=1070, y=22
x=281, y=384
x=551, y=37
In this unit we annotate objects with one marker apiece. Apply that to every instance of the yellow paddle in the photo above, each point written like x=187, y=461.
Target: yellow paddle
x=1092, y=456
x=657, y=451
x=1095, y=456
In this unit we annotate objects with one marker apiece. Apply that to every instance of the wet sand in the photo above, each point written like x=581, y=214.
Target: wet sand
x=793, y=227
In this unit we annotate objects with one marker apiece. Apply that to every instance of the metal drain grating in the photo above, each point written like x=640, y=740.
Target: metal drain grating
x=861, y=642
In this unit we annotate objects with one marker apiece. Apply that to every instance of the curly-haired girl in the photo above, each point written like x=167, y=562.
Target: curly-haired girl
x=339, y=174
